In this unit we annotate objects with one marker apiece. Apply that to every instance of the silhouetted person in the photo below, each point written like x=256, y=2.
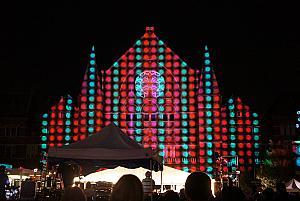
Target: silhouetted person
x=232, y=194
x=182, y=195
x=128, y=188
x=148, y=185
x=281, y=194
x=255, y=195
x=198, y=187
x=89, y=192
x=3, y=183
x=68, y=172
x=268, y=194
x=73, y=194
x=155, y=196
x=170, y=195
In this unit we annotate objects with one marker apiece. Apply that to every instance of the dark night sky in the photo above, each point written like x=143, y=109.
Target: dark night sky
x=254, y=46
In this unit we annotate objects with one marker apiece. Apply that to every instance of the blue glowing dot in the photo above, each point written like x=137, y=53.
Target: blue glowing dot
x=116, y=64
x=69, y=101
x=138, y=50
x=209, y=137
x=184, y=138
x=232, y=137
x=138, y=138
x=92, y=84
x=208, y=91
x=116, y=79
x=207, y=69
x=183, y=79
x=298, y=161
x=185, y=154
x=185, y=169
x=232, y=122
x=208, y=106
x=91, y=98
x=138, y=57
x=138, y=64
x=44, y=138
x=44, y=146
x=184, y=131
x=232, y=130
x=207, y=76
x=207, y=62
x=92, y=62
x=138, y=42
x=185, y=146
x=92, y=69
x=209, y=169
x=208, y=83
x=160, y=42
x=209, y=121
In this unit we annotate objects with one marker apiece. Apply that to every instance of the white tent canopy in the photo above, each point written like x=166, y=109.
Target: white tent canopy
x=170, y=176
x=293, y=186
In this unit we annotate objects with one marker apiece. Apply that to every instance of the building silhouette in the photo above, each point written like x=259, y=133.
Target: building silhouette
x=162, y=103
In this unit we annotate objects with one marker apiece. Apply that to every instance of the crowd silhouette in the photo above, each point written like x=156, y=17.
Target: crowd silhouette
x=197, y=188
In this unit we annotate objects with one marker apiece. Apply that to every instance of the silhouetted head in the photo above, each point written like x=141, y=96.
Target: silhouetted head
x=128, y=188
x=2, y=169
x=280, y=187
x=170, y=195
x=232, y=193
x=73, y=194
x=198, y=187
x=148, y=174
x=268, y=194
x=88, y=185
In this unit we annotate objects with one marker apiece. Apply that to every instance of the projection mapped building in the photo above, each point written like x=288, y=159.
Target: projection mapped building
x=162, y=103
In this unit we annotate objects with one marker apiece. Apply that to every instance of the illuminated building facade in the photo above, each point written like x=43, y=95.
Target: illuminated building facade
x=162, y=103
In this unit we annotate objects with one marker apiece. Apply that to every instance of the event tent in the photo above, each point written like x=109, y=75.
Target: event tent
x=109, y=148
x=170, y=176
x=293, y=186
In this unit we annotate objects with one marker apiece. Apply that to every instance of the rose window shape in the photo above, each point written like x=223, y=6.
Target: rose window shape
x=150, y=84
